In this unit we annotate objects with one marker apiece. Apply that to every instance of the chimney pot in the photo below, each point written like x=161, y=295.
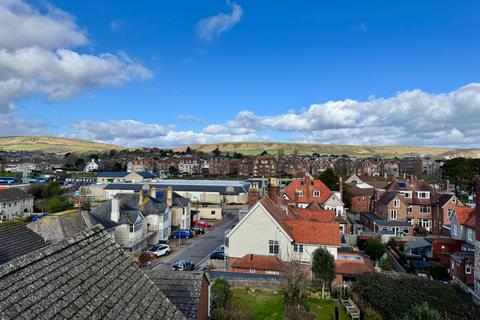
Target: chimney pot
x=251, y=256
x=169, y=196
x=115, y=213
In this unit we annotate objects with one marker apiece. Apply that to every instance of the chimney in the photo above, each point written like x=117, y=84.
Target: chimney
x=273, y=189
x=169, y=196
x=385, y=175
x=251, y=256
x=253, y=194
x=153, y=192
x=115, y=213
x=404, y=176
x=141, y=196
x=340, y=187
x=447, y=185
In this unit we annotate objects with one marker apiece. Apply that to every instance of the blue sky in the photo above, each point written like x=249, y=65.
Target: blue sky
x=170, y=73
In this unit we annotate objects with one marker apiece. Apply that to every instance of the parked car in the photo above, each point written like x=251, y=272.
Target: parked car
x=217, y=255
x=183, y=234
x=198, y=230
x=160, y=250
x=183, y=265
x=202, y=223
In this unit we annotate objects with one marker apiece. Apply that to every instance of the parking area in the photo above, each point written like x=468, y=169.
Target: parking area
x=198, y=248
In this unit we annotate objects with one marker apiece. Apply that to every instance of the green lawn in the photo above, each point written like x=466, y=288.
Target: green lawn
x=269, y=306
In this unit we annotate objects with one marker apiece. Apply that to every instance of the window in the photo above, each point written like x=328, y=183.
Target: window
x=393, y=214
x=423, y=195
x=299, y=192
x=298, y=248
x=212, y=212
x=426, y=223
x=468, y=269
x=316, y=193
x=454, y=229
x=396, y=203
x=409, y=209
x=226, y=242
x=424, y=209
x=252, y=270
x=410, y=221
x=454, y=200
x=273, y=246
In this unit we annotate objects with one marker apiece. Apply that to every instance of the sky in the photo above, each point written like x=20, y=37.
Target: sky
x=169, y=73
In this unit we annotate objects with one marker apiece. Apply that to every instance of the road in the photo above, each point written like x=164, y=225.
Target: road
x=198, y=249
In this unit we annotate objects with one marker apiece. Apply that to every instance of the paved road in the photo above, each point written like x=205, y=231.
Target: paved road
x=200, y=248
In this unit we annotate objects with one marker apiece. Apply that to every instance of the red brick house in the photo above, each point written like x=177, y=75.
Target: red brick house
x=392, y=206
x=442, y=211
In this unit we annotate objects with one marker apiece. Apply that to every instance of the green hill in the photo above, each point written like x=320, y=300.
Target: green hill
x=254, y=148
x=53, y=144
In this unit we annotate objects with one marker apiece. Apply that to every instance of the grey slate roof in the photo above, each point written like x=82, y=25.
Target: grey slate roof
x=444, y=198
x=146, y=175
x=385, y=223
x=387, y=197
x=129, y=210
x=86, y=276
x=112, y=174
x=182, y=288
x=17, y=240
x=124, y=186
x=219, y=186
x=14, y=194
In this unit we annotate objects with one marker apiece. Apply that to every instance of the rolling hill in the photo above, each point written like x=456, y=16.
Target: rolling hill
x=53, y=144
x=254, y=148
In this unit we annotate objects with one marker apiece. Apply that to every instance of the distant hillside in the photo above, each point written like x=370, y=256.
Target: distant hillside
x=254, y=148
x=53, y=144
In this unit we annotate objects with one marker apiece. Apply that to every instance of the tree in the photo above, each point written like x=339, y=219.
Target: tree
x=323, y=267
x=55, y=204
x=294, y=287
x=423, y=312
x=216, y=152
x=371, y=314
x=117, y=166
x=375, y=249
x=221, y=294
x=330, y=179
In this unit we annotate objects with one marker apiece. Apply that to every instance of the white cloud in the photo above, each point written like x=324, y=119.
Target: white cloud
x=189, y=118
x=14, y=126
x=408, y=118
x=212, y=27
x=133, y=133
x=36, y=56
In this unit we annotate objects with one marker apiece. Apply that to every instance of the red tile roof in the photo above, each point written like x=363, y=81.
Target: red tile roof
x=352, y=266
x=309, y=232
x=307, y=186
x=317, y=215
x=259, y=262
x=466, y=216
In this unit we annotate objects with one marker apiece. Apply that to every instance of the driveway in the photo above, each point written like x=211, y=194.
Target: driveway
x=198, y=249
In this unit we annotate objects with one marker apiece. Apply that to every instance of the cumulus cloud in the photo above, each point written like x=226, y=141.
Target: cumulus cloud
x=136, y=134
x=212, y=27
x=408, y=118
x=14, y=126
x=37, y=56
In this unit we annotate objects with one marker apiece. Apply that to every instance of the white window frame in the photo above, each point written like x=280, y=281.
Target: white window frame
x=272, y=245
x=316, y=193
x=428, y=209
x=423, y=195
x=393, y=214
x=396, y=203
x=468, y=269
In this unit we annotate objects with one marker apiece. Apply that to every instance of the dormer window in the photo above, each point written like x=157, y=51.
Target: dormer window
x=316, y=193
x=299, y=192
x=423, y=195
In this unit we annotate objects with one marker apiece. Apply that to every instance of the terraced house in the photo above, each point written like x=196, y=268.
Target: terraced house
x=15, y=203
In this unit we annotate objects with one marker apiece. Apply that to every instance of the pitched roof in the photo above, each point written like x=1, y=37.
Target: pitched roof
x=129, y=209
x=317, y=215
x=259, y=262
x=466, y=216
x=182, y=288
x=57, y=227
x=307, y=186
x=146, y=175
x=309, y=232
x=352, y=264
x=86, y=276
x=14, y=194
x=354, y=190
x=388, y=196
x=17, y=240
x=444, y=198
x=112, y=174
